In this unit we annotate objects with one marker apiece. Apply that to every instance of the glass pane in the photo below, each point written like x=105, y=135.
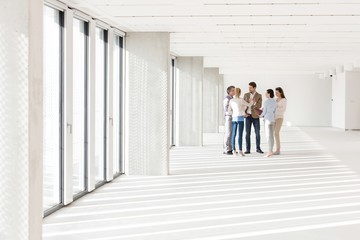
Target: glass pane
x=79, y=105
x=117, y=104
x=52, y=107
x=100, y=105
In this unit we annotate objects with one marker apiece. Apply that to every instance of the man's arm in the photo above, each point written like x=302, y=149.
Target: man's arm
x=246, y=97
x=226, y=105
x=259, y=102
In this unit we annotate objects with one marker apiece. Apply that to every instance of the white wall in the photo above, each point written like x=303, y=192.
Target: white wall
x=211, y=100
x=309, y=98
x=189, y=85
x=21, y=119
x=147, y=108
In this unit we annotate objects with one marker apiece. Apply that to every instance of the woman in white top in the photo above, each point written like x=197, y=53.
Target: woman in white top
x=279, y=116
x=237, y=108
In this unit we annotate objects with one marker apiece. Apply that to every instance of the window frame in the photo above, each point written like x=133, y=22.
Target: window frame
x=120, y=107
x=79, y=16
x=104, y=28
x=58, y=206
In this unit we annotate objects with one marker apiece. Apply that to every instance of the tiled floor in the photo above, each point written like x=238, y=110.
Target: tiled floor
x=306, y=193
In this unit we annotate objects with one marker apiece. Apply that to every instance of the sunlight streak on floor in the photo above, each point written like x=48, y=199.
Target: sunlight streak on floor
x=210, y=196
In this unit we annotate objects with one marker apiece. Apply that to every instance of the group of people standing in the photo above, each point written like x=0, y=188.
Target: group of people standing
x=246, y=112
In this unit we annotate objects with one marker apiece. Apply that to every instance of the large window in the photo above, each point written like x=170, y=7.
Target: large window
x=76, y=101
x=52, y=115
x=80, y=42
x=100, y=104
x=118, y=101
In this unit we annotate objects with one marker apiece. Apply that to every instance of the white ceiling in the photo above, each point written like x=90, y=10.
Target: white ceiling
x=273, y=36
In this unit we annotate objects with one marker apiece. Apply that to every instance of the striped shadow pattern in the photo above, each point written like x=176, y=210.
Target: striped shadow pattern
x=304, y=193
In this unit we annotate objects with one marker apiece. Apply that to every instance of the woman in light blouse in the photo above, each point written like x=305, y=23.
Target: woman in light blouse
x=279, y=116
x=268, y=113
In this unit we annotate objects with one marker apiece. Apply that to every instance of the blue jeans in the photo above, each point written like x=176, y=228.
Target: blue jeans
x=256, y=122
x=237, y=128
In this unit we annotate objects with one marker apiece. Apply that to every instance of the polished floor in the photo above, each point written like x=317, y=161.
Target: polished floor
x=306, y=193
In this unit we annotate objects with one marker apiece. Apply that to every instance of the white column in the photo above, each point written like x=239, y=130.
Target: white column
x=346, y=101
x=147, y=104
x=352, y=100
x=211, y=100
x=190, y=101
x=91, y=112
x=338, y=100
x=221, y=95
x=21, y=40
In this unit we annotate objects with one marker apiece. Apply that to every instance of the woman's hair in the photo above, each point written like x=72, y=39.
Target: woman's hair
x=237, y=92
x=281, y=91
x=271, y=92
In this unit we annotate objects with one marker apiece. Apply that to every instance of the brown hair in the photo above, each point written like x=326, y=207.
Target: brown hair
x=253, y=84
x=281, y=91
x=237, y=92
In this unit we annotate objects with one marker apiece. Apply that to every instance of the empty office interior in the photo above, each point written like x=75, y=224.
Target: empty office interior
x=112, y=119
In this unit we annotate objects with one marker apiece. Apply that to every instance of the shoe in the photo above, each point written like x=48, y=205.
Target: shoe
x=277, y=153
x=260, y=151
x=269, y=155
x=247, y=152
x=242, y=154
x=229, y=153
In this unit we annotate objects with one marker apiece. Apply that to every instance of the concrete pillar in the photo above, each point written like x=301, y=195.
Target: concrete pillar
x=21, y=104
x=147, y=103
x=352, y=100
x=189, y=130
x=221, y=95
x=211, y=100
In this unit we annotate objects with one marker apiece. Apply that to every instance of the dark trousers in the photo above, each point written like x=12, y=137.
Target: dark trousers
x=237, y=129
x=256, y=122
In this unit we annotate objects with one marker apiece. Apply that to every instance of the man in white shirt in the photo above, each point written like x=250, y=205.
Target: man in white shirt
x=228, y=121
